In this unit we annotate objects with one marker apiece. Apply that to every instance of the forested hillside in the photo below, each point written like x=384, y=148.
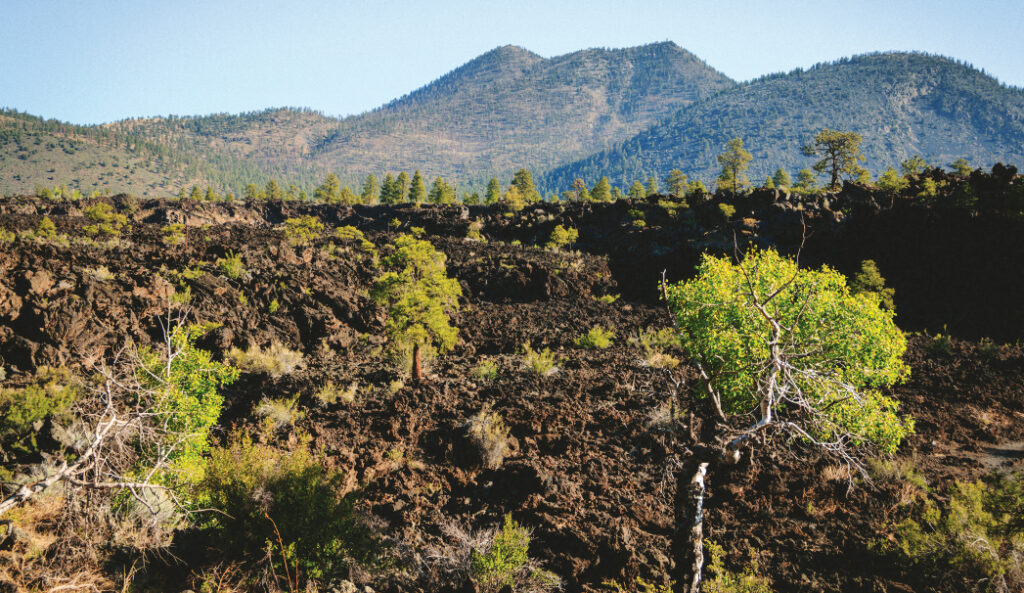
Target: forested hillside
x=903, y=104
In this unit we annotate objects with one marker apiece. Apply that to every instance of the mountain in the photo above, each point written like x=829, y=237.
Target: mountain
x=903, y=104
x=505, y=109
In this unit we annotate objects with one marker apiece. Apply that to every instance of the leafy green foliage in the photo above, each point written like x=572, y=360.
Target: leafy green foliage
x=302, y=230
x=189, y=400
x=23, y=411
x=562, y=237
x=597, y=337
x=418, y=295
x=174, y=234
x=978, y=534
x=231, y=265
x=542, y=363
x=506, y=562
x=892, y=182
x=284, y=503
x=46, y=229
x=485, y=372
x=106, y=221
x=841, y=347
x=749, y=580
x=726, y=211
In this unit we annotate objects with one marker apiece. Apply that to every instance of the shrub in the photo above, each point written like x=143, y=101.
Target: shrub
x=749, y=580
x=286, y=505
x=726, y=211
x=870, y=281
x=562, y=237
x=597, y=337
x=330, y=393
x=276, y=360
x=231, y=265
x=174, y=234
x=100, y=273
x=351, y=233
x=273, y=306
x=6, y=236
x=302, y=230
x=106, y=221
x=485, y=372
x=541, y=363
x=978, y=534
x=46, y=229
x=24, y=410
x=278, y=413
x=490, y=435
x=607, y=299
x=505, y=562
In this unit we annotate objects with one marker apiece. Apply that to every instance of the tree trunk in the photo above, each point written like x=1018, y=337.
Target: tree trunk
x=688, y=539
x=417, y=369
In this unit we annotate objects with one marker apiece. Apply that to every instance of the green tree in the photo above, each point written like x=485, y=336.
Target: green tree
x=796, y=347
x=195, y=194
x=418, y=189
x=523, y=180
x=677, y=183
x=441, y=192
x=371, y=190
x=769, y=183
x=805, y=181
x=402, y=184
x=870, y=280
x=602, y=191
x=839, y=154
x=782, y=179
x=513, y=199
x=273, y=191
x=493, y=194
x=735, y=161
x=252, y=192
x=616, y=194
x=961, y=167
x=637, y=190
x=389, y=192
x=892, y=182
x=579, y=191
x=329, y=192
x=915, y=165
x=652, y=186
x=46, y=229
x=419, y=298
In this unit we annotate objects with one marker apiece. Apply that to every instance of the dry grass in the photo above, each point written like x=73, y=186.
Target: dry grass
x=276, y=360
x=489, y=433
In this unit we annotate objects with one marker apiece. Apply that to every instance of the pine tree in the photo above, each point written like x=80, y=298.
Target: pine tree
x=579, y=190
x=676, y=182
x=329, y=192
x=273, y=191
x=735, y=161
x=441, y=192
x=652, y=186
x=389, y=193
x=805, y=181
x=637, y=190
x=402, y=184
x=493, y=194
x=602, y=191
x=523, y=180
x=418, y=189
x=961, y=167
x=840, y=154
x=371, y=190
x=419, y=298
x=782, y=179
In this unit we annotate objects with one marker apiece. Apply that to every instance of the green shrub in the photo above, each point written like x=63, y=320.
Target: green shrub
x=231, y=265
x=284, y=504
x=608, y=299
x=106, y=221
x=351, y=233
x=541, y=363
x=485, y=372
x=273, y=306
x=46, y=229
x=6, y=236
x=978, y=534
x=597, y=337
x=562, y=237
x=749, y=580
x=726, y=211
x=302, y=230
x=174, y=234
x=24, y=410
x=505, y=562
x=490, y=435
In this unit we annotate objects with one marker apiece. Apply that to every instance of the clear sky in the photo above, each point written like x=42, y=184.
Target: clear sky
x=102, y=60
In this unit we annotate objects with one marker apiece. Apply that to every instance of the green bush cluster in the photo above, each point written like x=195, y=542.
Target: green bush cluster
x=285, y=504
x=231, y=265
x=562, y=237
x=541, y=363
x=24, y=410
x=106, y=221
x=977, y=534
x=302, y=230
x=506, y=563
x=598, y=337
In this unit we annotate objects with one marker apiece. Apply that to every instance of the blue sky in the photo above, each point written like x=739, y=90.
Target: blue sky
x=103, y=60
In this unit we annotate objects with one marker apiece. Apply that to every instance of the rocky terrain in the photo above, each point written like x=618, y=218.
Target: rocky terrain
x=589, y=461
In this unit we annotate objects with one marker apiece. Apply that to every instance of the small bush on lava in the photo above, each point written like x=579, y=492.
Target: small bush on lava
x=485, y=372
x=505, y=562
x=598, y=337
x=541, y=363
x=562, y=237
x=231, y=265
x=490, y=435
x=276, y=360
x=106, y=221
x=302, y=230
